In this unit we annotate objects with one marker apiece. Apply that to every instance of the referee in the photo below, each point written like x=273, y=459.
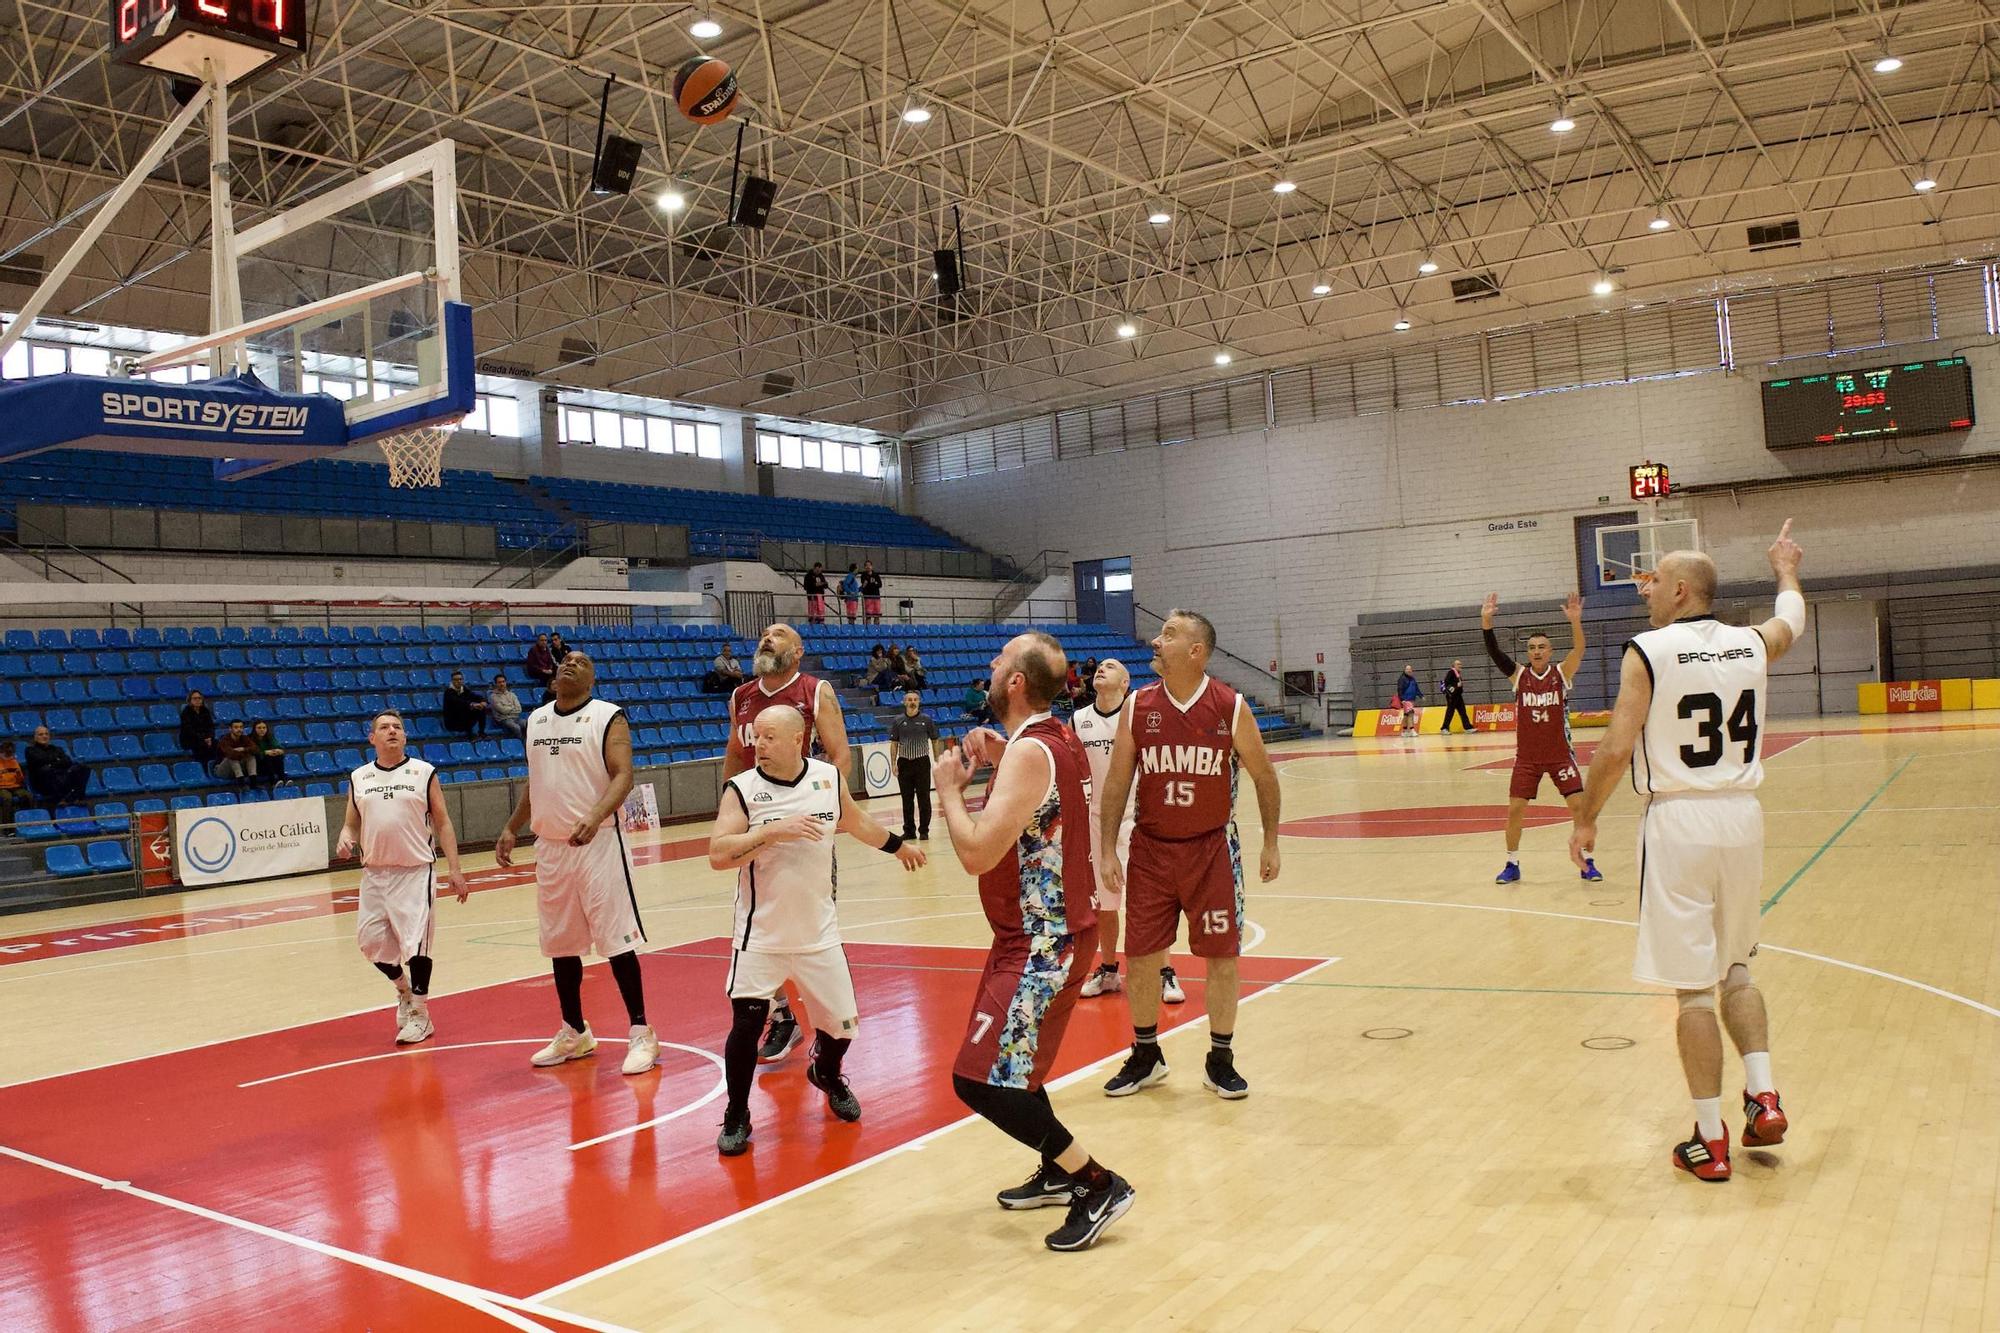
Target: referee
x=916, y=740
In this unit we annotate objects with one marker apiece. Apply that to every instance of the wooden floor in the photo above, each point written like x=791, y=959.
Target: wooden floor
x=1462, y=1122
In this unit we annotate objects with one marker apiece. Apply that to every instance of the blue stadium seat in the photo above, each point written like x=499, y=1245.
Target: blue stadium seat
x=149, y=805
x=159, y=744
x=119, y=780
x=188, y=773
x=156, y=777
x=320, y=789
x=57, y=639
x=34, y=824
x=215, y=798
x=90, y=750
x=95, y=719
x=186, y=801
x=111, y=816
x=66, y=862
x=107, y=857
x=20, y=640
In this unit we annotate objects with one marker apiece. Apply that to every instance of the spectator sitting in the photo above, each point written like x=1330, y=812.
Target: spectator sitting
x=557, y=648
x=504, y=707
x=52, y=775
x=464, y=710
x=237, y=752
x=898, y=673
x=913, y=668
x=974, y=702
x=724, y=674
x=270, y=754
x=850, y=594
x=13, y=788
x=198, y=728
x=540, y=665
x=876, y=675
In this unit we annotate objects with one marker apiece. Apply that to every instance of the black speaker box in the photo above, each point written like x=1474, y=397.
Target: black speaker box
x=617, y=165
x=945, y=264
x=753, y=209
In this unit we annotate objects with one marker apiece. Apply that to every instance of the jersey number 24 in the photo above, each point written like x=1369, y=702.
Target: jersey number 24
x=1705, y=711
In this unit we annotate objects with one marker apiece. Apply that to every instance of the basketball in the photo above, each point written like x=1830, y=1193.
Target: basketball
x=705, y=90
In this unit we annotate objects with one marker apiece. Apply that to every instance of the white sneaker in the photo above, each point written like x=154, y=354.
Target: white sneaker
x=416, y=1023
x=642, y=1050
x=1104, y=982
x=568, y=1044
x=1170, y=987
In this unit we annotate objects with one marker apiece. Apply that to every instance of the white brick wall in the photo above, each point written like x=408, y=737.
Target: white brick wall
x=1286, y=537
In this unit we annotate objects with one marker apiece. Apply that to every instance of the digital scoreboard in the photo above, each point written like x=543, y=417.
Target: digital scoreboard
x=1650, y=481
x=1917, y=398
x=178, y=37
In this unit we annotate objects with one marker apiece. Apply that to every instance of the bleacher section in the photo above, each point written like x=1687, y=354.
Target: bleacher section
x=322, y=487
x=729, y=526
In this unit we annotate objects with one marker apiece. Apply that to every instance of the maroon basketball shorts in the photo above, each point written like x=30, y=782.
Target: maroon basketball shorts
x=1201, y=878
x=1022, y=1007
x=1528, y=774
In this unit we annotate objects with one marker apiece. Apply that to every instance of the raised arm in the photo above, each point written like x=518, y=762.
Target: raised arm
x=1573, y=613
x=1017, y=788
x=1250, y=753
x=1501, y=661
x=1784, y=628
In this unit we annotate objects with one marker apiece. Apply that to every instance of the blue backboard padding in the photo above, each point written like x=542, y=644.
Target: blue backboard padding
x=239, y=412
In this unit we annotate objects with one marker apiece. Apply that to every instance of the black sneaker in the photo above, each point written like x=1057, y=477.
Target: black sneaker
x=1220, y=1077
x=1144, y=1067
x=1049, y=1187
x=735, y=1136
x=1090, y=1211
x=840, y=1098
x=783, y=1038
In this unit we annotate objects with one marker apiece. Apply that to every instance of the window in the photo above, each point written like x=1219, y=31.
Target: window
x=871, y=462
x=790, y=451
x=15, y=367
x=684, y=436
x=47, y=360
x=708, y=439
x=89, y=361
x=493, y=414
x=767, y=446
x=659, y=435
x=575, y=427
x=799, y=451
x=809, y=452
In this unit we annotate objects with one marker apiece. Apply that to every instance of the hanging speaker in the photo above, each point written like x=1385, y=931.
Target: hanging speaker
x=617, y=165
x=753, y=209
x=944, y=263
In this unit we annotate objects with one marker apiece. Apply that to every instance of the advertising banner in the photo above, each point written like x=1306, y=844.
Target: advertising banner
x=226, y=844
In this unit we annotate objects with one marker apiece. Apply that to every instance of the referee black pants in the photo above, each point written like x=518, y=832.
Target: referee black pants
x=1456, y=709
x=914, y=777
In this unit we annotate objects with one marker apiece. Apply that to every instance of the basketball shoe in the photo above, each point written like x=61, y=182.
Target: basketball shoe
x=403, y=1010
x=568, y=1044
x=1704, y=1159
x=1219, y=1076
x=735, y=1135
x=1590, y=874
x=1090, y=1212
x=1144, y=1067
x=1106, y=980
x=416, y=1024
x=840, y=1098
x=782, y=1039
x=1170, y=987
x=642, y=1050
x=1049, y=1187
x=1764, y=1122
x=1510, y=874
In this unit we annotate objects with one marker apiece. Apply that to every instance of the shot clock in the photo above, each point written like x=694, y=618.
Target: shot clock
x=1650, y=481
x=176, y=37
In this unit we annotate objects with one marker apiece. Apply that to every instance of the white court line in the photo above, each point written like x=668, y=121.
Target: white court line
x=489, y=1303
x=912, y=1145
x=1913, y=984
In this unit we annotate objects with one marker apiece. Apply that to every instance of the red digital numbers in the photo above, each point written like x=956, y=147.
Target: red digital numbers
x=128, y=20
x=215, y=9
x=268, y=14
x=1873, y=398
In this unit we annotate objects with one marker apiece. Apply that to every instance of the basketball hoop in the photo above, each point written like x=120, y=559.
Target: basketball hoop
x=415, y=457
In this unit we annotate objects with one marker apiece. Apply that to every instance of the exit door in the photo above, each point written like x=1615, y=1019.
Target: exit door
x=1104, y=593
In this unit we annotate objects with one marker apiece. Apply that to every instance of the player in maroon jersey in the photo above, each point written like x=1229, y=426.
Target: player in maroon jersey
x=1184, y=737
x=778, y=680
x=1031, y=848
x=1541, y=726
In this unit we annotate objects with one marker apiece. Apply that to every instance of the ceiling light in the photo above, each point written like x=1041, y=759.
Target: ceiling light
x=916, y=114
x=1660, y=222
x=1159, y=217
x=1223, y=358
x=1126, y=329
x=671, y=201
x=1564, y=122
x=705, y=28
x=1886, y=63
x=1322, y=289
x=1427, y=265
x=1284, y=185
x=1603, y=286
x=1402, y=324
x=1923, y=185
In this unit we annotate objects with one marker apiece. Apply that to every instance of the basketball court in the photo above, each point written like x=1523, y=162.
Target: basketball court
x=1461, y=1110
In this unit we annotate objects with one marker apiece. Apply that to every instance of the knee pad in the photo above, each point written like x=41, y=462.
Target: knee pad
x=750, y=1013
x=1693, y=1000
x=1737, y=978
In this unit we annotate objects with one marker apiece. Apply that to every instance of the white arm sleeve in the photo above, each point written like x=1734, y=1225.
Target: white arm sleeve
x=1791, y=609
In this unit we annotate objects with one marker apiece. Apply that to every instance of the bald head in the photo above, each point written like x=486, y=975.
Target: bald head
x=778, y=735
x=1027, y=675
x=1683, y=584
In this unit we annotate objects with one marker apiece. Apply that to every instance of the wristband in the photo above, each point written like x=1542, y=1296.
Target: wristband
x=1791, y=608
x=894, y=844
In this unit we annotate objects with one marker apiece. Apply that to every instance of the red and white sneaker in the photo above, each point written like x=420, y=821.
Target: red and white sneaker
x=1764, y=1122
x=1704, y=1159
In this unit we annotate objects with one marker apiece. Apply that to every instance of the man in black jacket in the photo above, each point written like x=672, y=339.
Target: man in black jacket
x=52, y=774
x=1453, y=686
x=464, y=710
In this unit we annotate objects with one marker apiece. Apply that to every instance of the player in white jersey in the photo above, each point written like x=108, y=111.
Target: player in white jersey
x=1689, y=726
x=1096, y=725
x=775, y=828
x=395, y=806
x=579, y=773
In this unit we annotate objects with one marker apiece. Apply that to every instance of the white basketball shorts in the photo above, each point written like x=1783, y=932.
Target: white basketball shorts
x=1103, y=899
x=585, y=898
x=396, y=916
x=821, y=976
x=1701, y=878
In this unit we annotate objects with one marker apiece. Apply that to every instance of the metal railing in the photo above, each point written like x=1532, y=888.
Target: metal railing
x=1270, y=690
x=1025, y=579
x=792, y=608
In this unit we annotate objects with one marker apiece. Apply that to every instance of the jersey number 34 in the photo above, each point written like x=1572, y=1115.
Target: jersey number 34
x=1705, y=711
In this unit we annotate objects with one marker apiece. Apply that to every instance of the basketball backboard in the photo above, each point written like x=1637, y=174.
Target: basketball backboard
x=1628, y=552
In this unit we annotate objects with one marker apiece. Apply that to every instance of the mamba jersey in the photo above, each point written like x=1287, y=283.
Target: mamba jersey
x=1044, y=886
x=1705, y=727
x=395, y=808
x=1541, y=716
x=1185, y=783
x=785, y=895
x=751, y=698
x=567, y=774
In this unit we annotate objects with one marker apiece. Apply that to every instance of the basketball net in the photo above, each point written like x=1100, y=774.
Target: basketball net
x=415, y=457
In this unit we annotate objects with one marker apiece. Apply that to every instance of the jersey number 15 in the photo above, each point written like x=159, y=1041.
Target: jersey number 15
x=1705, y=711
